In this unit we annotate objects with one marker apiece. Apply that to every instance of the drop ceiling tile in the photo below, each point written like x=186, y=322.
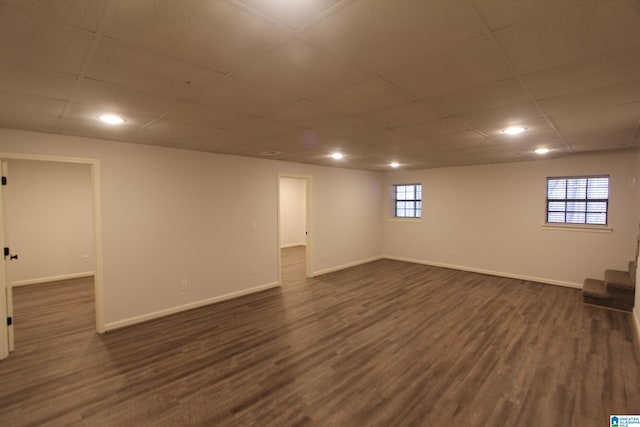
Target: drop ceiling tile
x=238, y=96
x=609, y=96
x=20, y=78
x=261, y=127
x=35, y=41
x=290, y=14
x=348, y=127
x=503, y=13
x=481, y=98
x=302, y=113
x=387, y=137
x=605, y=127
x=114, y=62
x=82, y=120
x=604, y=118
x=380, y=35
x=474, y=62
x=25, y=111
x=312, y=139
x=459, y=140
x=486, y=157
x=190, y=135
x=212, y=34
x=84, y=14
x=191, y=112
x=365, y=96
x=601, y=140
x=598, y=71
x=297, y=69
x=408, y=114
x=432, y=128
x=121, y=99
x=594, y=29
x=502, y=117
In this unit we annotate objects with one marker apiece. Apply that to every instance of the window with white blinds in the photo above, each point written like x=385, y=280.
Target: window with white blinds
x=408, y=200
x=578, y=200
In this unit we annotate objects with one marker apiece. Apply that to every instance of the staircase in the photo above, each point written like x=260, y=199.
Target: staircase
x=616, y=291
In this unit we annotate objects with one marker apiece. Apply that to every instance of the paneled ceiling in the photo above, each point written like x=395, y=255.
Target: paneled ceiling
x=426, y=83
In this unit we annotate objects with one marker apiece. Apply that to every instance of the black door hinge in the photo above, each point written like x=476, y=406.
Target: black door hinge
x=9, y=321
x=4, y=180
x=6, y=252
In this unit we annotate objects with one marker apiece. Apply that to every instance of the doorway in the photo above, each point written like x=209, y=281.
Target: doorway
x=294, y=219
x=51, y=216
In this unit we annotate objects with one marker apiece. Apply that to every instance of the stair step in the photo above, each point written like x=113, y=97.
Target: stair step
x=595, y=292
x=595, y=288
x=618, y=279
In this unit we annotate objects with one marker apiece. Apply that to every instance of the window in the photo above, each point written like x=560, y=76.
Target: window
x=578, y=199
x=408, y=200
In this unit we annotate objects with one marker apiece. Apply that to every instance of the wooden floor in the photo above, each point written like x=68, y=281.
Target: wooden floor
x=383, y=344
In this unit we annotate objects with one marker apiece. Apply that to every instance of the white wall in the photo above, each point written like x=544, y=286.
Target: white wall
x=170, y=215
x=488, y=218
x=293, y=212
x=49, y=214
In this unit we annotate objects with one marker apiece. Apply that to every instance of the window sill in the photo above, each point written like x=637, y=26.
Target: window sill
x=580, y=228
x=405, y=219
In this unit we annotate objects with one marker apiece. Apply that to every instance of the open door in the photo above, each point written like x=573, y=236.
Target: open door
x=5, y=291
x=8, y=257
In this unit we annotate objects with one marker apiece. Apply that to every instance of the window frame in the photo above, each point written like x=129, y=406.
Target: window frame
x=586, y=200
x=395, y=201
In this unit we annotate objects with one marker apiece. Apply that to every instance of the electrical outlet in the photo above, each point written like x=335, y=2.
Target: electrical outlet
x=453, y=251
x=183, y=285
x=85, y=258
x=254, y=270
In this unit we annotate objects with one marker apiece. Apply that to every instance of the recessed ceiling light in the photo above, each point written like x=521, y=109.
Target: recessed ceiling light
x=541, y=150
x=394, y=164
x=514, y=130
x=337, y=156
x=112, y=119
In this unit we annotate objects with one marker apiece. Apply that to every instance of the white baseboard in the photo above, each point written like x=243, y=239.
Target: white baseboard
x=166, y=312
x=489, y=272
x=292, y=245
x=52, y=279
x=343, y=266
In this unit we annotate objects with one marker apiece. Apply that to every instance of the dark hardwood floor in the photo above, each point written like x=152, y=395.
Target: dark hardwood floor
x=384, y=344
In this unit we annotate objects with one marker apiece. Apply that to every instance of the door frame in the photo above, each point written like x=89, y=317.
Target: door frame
x=309, y=236
x=96, y=200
